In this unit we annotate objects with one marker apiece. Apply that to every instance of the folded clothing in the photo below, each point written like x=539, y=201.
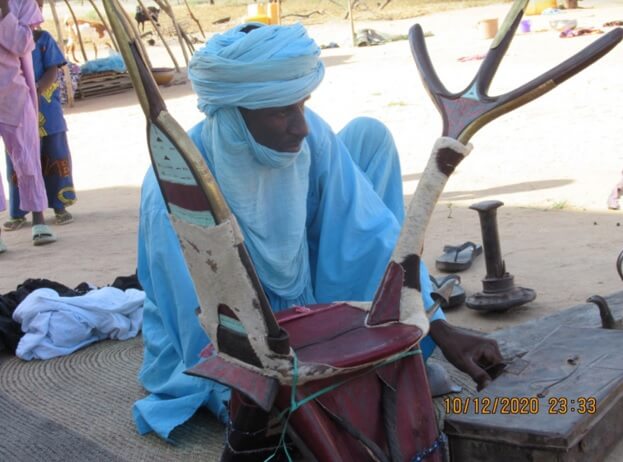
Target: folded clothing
x=54, y=325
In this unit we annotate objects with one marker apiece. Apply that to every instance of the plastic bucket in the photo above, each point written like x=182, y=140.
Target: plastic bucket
x=525, y=26
x=488, y=28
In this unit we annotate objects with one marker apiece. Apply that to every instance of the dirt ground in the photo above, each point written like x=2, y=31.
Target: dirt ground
x=552, y=163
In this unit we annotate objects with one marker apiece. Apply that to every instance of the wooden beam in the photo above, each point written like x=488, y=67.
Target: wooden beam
x=110, y=34
x=352, y=22
x=194, y=19
x=159, y=32
x=166, y=7
x=69, y=89
x=78, y=34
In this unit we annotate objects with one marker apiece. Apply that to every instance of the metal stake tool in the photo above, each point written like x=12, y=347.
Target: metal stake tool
x=499, y=290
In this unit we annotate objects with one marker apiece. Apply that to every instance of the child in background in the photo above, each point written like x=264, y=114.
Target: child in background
x=55, y=156
x=18, y=110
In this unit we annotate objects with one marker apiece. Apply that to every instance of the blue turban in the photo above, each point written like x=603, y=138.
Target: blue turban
x=269, y=66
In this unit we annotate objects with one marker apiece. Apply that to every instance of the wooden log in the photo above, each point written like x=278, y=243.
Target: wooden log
x=303, y=15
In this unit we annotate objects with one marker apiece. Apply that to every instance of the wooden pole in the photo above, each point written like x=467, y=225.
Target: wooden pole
x=129, y=24
x=78, y=34
x=159, y=32
x=181, y=34
x=137, y=36
x=110, y=34
x=69, y=89
x=188, y=40
x=194, y=19
x=352, y=22
x=164, y=6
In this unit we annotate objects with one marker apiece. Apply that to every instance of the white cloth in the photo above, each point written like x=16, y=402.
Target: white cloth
x=57, y=326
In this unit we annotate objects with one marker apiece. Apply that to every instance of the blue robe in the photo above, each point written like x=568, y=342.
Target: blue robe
x=354, y=214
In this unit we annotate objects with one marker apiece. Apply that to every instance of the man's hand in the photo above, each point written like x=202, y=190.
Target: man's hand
x=467, y=352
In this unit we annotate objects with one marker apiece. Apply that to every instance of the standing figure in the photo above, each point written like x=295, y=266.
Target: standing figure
x=18, y=110
x=55, y=155
x=615, y=194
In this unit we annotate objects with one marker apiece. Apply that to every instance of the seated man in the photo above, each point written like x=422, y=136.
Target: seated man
x=320, y=212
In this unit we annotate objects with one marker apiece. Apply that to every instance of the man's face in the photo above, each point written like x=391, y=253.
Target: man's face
x=280, y=128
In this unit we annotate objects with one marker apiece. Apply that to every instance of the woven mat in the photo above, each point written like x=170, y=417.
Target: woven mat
x=78, y=408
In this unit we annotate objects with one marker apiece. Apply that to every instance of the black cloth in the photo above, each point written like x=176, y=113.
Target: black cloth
x=127, y=282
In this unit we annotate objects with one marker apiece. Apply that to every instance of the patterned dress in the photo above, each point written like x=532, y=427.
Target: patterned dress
x=55, y=154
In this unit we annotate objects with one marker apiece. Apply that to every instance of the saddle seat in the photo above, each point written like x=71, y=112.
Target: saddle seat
x=336, y=335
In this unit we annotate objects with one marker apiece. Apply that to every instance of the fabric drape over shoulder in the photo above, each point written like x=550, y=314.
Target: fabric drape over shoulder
x=268, y=66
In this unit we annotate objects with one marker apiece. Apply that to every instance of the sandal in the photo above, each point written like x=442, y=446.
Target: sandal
x=42, y=234
x=457, y=297
x=458, y=258
x=14, y=224
x=64, y=218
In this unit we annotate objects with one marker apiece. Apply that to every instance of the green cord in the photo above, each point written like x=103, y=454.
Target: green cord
x=294, y=404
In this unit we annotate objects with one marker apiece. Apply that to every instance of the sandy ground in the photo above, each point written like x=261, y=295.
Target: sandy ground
x=552, y=162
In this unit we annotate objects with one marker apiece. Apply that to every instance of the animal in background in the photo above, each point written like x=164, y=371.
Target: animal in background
x=143, y=16
x=93, y=32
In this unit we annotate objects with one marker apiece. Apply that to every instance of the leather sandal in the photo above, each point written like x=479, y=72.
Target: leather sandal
x=64, y=218
x=14, y=224
x=458, y=258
